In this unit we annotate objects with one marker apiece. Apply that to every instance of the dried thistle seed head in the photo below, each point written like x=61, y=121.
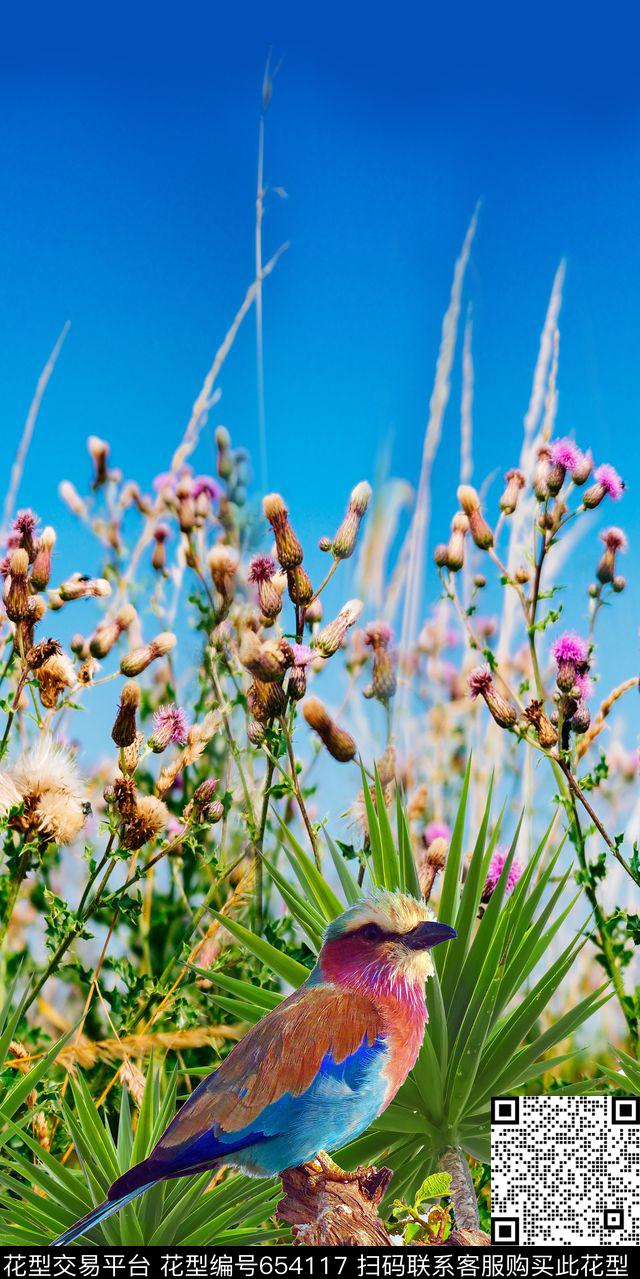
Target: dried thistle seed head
x=299, y=584
x=514, y=484
x=41, y=570
x=344, y=542
x=340, y=744
x=137, y=659
x=72, y=499
x=149, y=818
x=331, y=637
x=288, y=548
x=40, y=653
x=534, y=714
x=16, y=587
x=86, y=672
x=56, y=674
x=125, y=729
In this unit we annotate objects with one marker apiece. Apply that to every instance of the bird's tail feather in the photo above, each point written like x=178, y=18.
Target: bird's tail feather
x=100, y=1213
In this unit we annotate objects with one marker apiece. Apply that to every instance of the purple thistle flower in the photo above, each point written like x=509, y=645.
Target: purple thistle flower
x=565, y=452
x=436, y=830
x=262, y=568
x=496, y=866
x=570, y=648
x=584, y=684
x=607, y=476
x=165, y=480
x=378, y=633
x=170, y=725
x=479, y=681
x=206, y=484
x=302, y=654
x=615, y=539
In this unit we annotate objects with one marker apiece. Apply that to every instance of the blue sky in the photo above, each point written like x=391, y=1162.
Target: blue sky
x=127, y=163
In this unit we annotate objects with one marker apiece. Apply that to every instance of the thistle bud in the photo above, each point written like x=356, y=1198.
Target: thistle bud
x=79, y=646
x=614, y=540
x=441, y=555
x=455, y=545
x=266, y=700
x=71, y=498
x=125, y=728
x=299, y=584
x=324, y=544
x=79, y=587
x=534, y=715
x=16, y=587
x=137, y=659
x=204, y=807
x=159, y=553
x=478, y=527
x=107, y=634
x=263, y=572
x=223, y=447
x=619, y=583
x=314, y=612
x=223, y=565
x=329, y=639
x=541, y=474
x=41, y=571
x=431, y=863
x=479, y=581
x=288, y=548
x=255, y=732
x=515, y=482
x=344, y=542
x=384, y=682
x=99, y=454
x=481, y=685
x=340, y=744
x=581, y=718
x=265, y=661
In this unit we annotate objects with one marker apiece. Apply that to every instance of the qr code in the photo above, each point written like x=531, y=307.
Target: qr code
x=565, y=1170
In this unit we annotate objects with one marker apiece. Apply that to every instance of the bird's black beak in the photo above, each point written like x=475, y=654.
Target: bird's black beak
x=429, y=934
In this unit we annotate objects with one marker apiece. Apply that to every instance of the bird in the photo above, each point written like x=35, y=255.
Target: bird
x=316, y=1071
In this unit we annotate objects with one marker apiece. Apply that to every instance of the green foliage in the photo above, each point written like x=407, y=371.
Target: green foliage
x=490, y=989
x=40, y=1196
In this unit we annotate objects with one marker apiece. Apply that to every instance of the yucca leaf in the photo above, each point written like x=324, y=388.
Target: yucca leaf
x=318, y=891
x=311, y=922
x=472, y=887
x=409, y=873
x=276, y=960
x=350, y=887
x=445, y=961
x=390, y=859
x=247, y=990
x=375, y=839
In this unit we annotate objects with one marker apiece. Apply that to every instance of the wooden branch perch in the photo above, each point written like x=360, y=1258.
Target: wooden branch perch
x=324, y=1211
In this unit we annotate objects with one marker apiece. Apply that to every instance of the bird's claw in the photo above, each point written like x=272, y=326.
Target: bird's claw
x=324, y=1166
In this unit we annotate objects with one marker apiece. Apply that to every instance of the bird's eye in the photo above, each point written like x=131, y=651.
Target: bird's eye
x=371, y=932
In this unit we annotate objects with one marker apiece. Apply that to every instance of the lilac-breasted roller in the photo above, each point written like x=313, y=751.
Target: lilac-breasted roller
x=318, y=1069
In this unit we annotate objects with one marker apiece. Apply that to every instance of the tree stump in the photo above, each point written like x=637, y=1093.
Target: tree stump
x=326, y=1212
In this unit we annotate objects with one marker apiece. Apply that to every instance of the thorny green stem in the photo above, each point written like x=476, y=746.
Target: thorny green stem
x=14, y=890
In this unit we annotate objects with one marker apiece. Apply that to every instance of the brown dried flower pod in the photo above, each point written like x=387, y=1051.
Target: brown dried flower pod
x=266, y=700
x=265, y=661
x=125, y=727
x=481, y=685
x=340, y=744
x=150, y=816
x=55, y=675
x=384, y=680
x=79, y=587
x=223, y=563
x=288, y=548
x=299, y=584
x=40, y=653
x=541, y=473
x=263, y=572
x=534, y=714
x=107, y=634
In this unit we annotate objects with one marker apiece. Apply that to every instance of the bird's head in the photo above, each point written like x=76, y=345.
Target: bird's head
x=382, y=942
